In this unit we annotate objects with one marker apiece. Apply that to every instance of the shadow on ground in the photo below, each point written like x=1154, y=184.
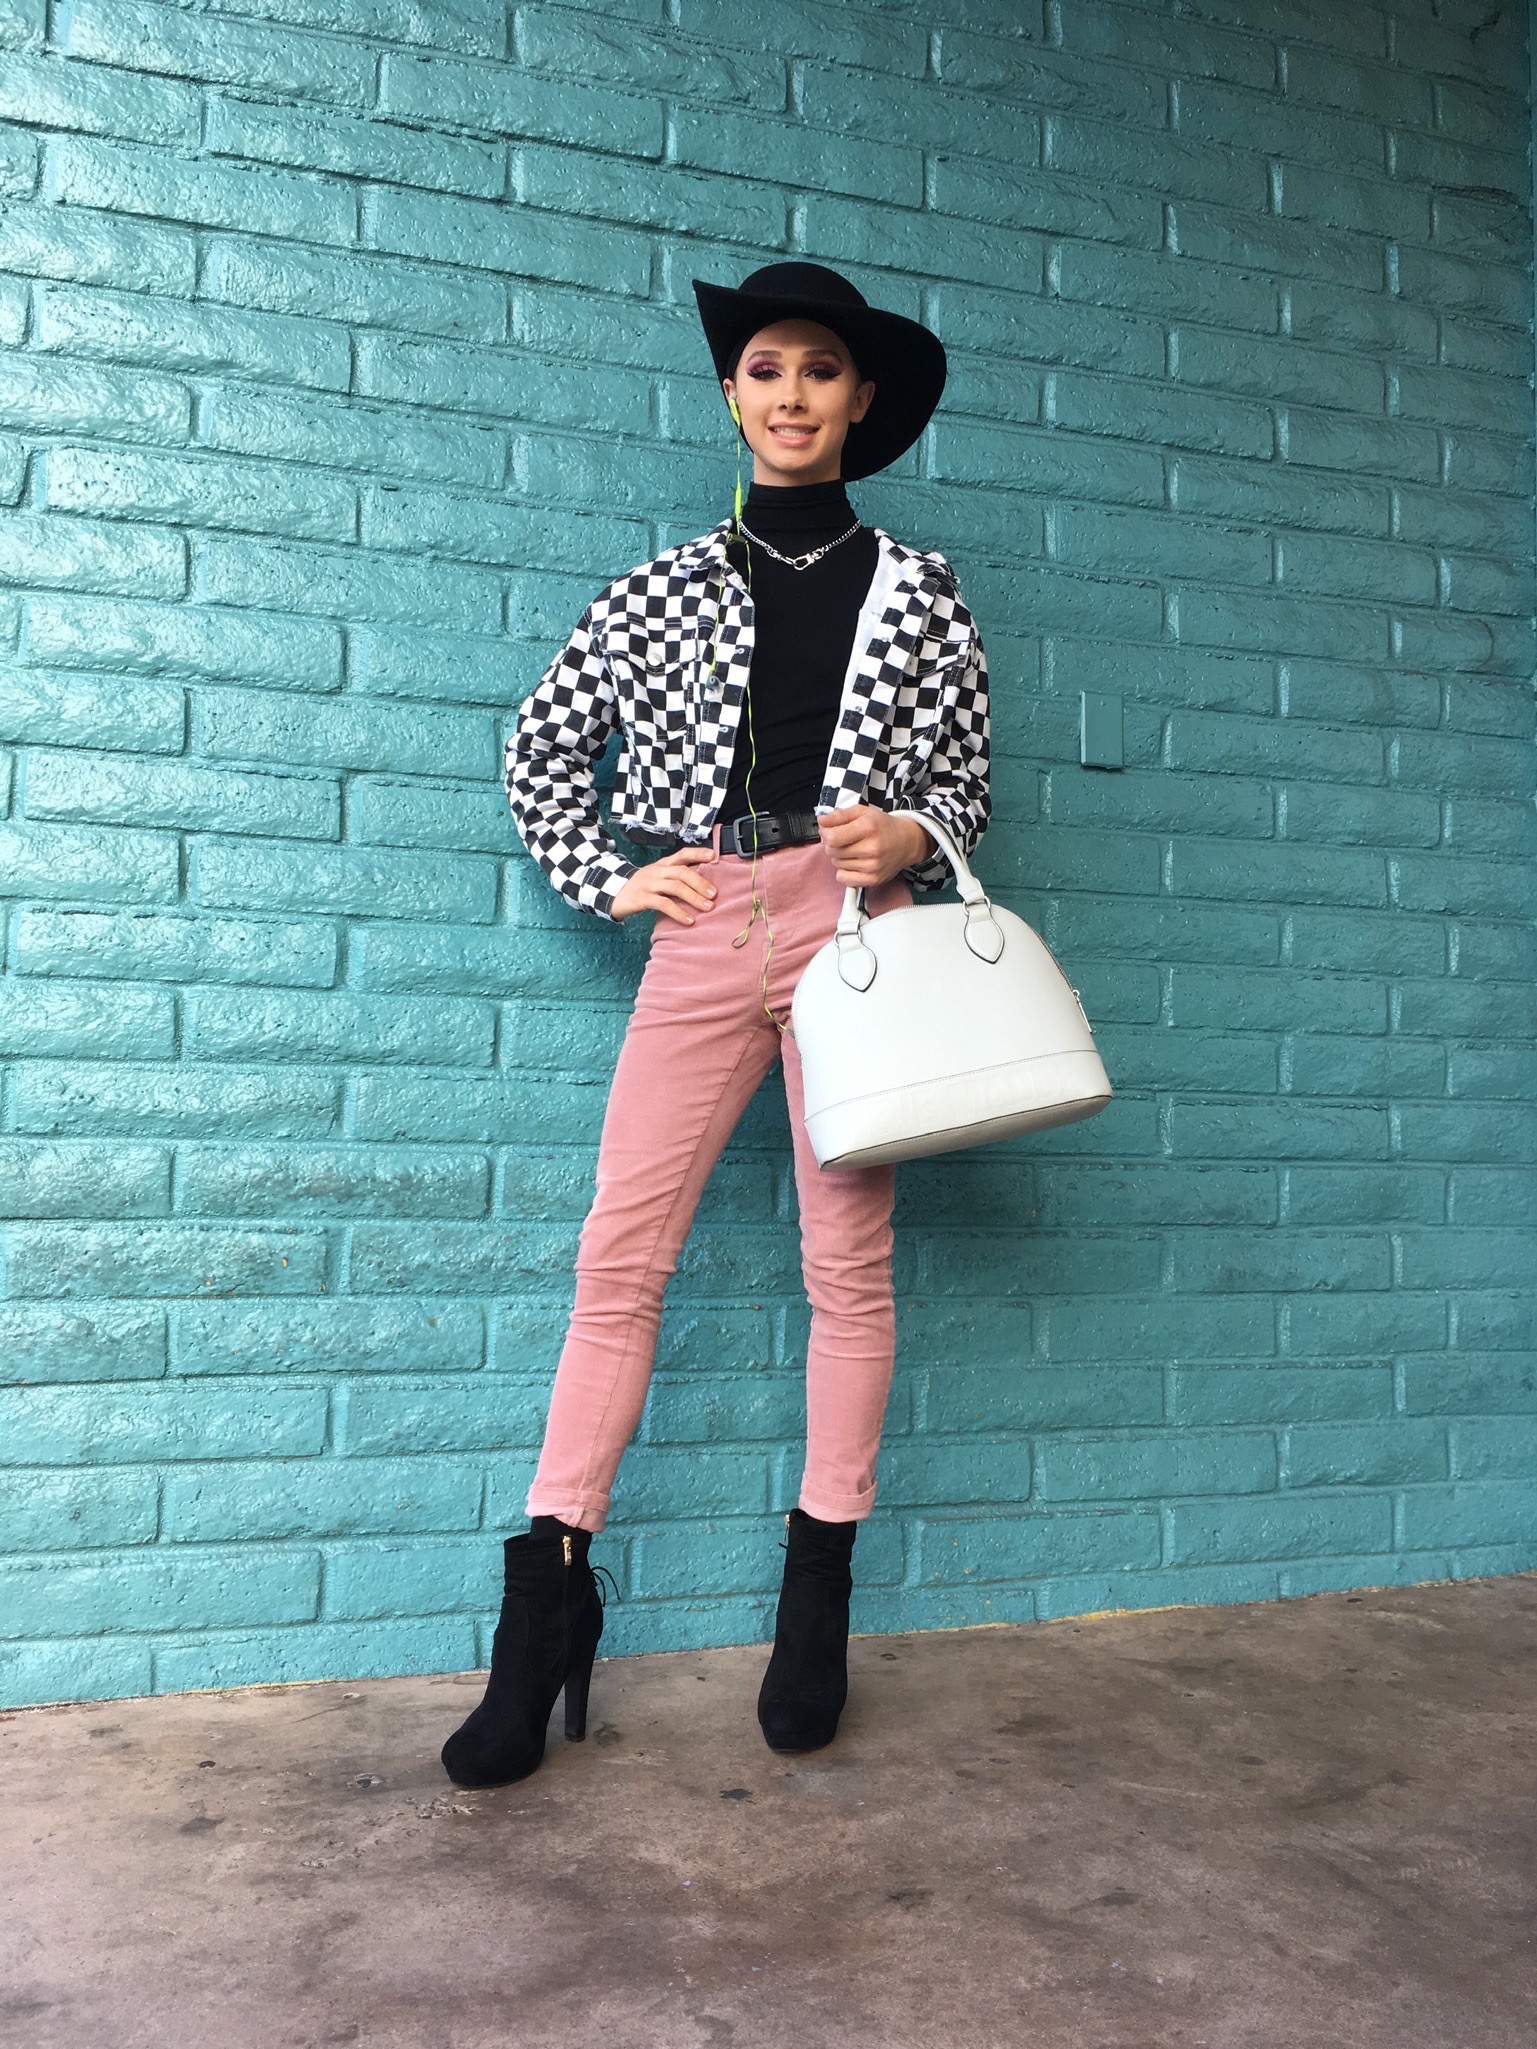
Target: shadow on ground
x=1306, y=1825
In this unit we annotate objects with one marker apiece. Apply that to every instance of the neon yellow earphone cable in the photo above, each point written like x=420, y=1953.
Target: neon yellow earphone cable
x=758, y=909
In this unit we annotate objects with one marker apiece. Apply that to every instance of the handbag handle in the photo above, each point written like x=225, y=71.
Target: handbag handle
x=984, y=935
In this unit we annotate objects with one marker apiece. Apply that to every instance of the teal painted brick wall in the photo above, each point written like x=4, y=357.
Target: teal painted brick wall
x=341, y=363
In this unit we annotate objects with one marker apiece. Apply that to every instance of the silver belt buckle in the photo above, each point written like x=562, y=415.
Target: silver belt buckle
x=763, y=842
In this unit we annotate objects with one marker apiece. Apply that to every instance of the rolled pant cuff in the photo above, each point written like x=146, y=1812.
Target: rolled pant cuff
x=855, y=1509
x=578, y=1517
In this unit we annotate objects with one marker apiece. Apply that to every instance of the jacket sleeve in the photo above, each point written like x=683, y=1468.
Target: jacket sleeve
x=957, y=789
x=560, y=733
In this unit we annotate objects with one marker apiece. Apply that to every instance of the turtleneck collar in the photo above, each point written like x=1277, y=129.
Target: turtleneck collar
x=801, y=514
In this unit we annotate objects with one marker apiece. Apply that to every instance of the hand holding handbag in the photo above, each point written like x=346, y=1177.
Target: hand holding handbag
x=938, y=1026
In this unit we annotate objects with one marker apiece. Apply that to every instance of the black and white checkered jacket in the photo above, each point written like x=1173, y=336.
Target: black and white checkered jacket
x=663, y=654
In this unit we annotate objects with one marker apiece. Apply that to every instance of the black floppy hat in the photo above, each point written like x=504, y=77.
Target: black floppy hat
x=901, y=357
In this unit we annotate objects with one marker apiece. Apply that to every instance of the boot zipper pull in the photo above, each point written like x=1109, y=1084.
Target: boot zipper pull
x=565, y=1545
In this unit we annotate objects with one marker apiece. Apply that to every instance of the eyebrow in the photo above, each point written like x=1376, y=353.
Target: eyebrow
x=778, y=354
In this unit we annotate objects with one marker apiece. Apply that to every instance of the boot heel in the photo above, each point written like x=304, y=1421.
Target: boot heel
x=586, y=1630
x=578, y=1680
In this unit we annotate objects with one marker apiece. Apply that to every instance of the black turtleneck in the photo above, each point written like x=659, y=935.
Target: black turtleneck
x=803, y=635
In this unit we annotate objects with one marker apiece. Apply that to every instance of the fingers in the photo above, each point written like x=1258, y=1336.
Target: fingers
x=669, y=902
x=677, y=892
x=668, y=909
x=676, y=873
x=844, y=828
x=679, y=889
x=861, y=869
x=855, y=840
x=856, y=851
x=671, y=885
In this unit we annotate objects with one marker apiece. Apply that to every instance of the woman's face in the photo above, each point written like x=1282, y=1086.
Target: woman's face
x=799, y=393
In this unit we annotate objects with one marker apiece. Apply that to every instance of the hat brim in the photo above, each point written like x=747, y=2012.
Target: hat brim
x=905, y=362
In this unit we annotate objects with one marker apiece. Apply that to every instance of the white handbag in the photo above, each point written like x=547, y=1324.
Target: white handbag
x=938, y=1026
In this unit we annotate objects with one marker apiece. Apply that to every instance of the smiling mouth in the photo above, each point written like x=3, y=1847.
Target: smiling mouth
x=793, y=433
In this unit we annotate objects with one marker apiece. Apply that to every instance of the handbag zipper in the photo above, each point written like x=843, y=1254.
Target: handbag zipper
x=1063, y=973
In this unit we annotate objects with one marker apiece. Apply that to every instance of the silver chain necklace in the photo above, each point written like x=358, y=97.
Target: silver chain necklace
x=799, y=561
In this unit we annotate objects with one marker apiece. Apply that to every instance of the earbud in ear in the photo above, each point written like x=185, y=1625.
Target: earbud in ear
x=735, y=410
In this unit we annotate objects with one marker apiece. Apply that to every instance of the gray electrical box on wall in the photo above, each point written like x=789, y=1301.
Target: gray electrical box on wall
x=1101, y=742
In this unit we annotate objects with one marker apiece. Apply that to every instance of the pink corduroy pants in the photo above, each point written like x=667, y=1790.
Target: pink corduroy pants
x=698, y=1044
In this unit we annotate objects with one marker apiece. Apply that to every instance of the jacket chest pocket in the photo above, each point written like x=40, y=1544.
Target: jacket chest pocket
x=656, y=689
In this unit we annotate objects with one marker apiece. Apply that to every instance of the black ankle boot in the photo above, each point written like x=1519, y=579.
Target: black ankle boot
x=807, y=1680
x=546, y=1638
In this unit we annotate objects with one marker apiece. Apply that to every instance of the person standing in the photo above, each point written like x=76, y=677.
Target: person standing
x=788, y=687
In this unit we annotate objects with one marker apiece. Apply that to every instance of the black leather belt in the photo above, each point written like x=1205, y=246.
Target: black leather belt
x=762, y=831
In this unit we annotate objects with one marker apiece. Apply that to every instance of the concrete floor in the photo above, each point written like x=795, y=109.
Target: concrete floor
x=1296, y=1826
